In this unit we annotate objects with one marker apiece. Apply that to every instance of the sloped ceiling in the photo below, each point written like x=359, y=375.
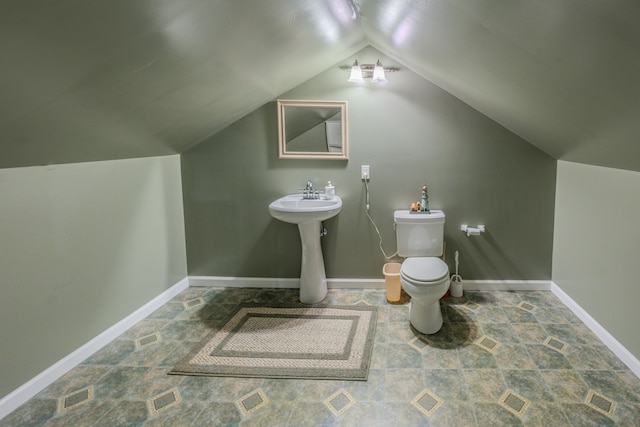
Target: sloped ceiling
x=97, y=80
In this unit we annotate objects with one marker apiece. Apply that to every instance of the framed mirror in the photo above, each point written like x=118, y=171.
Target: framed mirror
x=312, y=129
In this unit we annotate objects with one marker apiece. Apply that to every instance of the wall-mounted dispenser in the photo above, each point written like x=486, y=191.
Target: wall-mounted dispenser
x=472, y=231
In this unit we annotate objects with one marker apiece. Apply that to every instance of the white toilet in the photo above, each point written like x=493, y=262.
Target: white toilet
x=424, y=276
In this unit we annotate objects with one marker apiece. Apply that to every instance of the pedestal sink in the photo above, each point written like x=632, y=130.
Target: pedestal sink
x=308, y=214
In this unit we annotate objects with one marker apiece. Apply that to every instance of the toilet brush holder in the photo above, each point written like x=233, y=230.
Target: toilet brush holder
x=455, y=286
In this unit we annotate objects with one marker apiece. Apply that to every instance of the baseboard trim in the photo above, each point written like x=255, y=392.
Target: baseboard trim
x=614, y=345
x=506, y=285
x=280, y=283
x=22, y=394
x=349, y=283
x=243, y=282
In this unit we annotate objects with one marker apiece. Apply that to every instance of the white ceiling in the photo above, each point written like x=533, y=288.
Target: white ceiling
x=84, y=80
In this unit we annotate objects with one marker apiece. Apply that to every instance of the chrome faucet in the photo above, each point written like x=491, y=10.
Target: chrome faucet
x=307, y=192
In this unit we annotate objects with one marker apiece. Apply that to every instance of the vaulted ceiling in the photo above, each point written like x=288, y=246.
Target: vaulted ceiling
x=84, y=80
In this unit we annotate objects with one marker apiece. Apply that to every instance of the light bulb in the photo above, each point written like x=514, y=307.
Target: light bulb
x=378, y=73
x=356, y=73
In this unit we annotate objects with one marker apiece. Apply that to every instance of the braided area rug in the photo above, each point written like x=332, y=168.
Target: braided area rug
x=332, y=342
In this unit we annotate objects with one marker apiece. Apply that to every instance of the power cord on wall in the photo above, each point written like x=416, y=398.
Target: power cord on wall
x=366, y=185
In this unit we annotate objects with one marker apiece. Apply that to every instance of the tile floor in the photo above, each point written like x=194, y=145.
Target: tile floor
x=501, y=358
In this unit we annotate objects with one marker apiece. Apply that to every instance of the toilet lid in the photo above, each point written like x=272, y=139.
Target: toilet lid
x=424, y=269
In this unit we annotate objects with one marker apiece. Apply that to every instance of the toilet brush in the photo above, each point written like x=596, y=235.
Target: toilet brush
x=456, y=281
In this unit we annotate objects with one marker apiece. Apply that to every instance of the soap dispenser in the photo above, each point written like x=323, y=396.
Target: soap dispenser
x=329, y=190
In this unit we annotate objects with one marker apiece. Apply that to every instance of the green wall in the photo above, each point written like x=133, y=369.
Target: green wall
x=83, y=246
x=596, y=245
x=411, y=133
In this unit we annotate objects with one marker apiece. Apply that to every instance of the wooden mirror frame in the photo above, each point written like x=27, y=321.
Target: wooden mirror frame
x=283, y=153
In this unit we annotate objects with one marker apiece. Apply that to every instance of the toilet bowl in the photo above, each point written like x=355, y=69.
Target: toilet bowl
x=426, y=280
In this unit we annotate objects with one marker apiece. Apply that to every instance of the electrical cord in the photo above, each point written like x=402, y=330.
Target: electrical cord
x=366, y=185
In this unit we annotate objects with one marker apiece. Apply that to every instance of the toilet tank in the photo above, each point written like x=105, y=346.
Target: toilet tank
x=419, y=234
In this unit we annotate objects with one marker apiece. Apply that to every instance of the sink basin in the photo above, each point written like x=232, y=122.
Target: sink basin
x=308, y=214
x=296, y=210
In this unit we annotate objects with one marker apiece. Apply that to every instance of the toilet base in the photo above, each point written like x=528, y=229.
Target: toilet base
x=426, y=318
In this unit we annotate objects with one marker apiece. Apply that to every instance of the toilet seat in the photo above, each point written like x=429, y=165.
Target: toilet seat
x=421, y=271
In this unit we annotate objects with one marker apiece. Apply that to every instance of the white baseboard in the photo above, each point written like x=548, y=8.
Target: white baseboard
x=22, y=394
x=244, y=282
x=506, y=285
x=614, y=345
x=280, y=283
x=268, y=282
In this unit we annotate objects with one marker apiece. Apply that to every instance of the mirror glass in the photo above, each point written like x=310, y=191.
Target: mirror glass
x=312, y=129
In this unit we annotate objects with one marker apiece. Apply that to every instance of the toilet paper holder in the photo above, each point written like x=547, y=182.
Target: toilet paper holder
x=472, y=231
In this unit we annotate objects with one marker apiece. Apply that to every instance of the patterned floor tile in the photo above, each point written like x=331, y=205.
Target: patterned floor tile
x=304, y=412
x=448, y=384
x=403, y=356
x=33, y=413
x=252, y=401
x=556, y=344
x=527, y=383
x=547, y=358
x=607, y=383
x=582, y=414
x=163, y=401
x=339, y=402
x=402, y=385
x=125, y=412
x=513, y=356
x=501, y=332
x=427, y=402
x=78, y=397
x=193, y=303
x=544, y=414
x=487, y=343
x=526, y=306
x=627, y=414
x=81, y=376
x=224, y=414
x=371, y=390
x=146, y=340
x=475, y=357
x=373, y=412
x=566, y=385
x=119, y=382
x=601, y=403
x=82, y=415
x=514, y=403
x=113, y=353
x=484, y=385
x=584, y=357
x=494, y=414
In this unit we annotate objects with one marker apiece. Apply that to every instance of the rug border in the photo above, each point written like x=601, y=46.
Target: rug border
x=346, y=375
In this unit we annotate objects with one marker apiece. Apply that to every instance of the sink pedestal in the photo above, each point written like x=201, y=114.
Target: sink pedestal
x=308, y=214
x=313, y=280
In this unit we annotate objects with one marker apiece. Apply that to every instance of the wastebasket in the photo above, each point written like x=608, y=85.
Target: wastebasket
x=391, y=271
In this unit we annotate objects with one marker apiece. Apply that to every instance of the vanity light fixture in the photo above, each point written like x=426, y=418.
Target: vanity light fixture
x=375, y=72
